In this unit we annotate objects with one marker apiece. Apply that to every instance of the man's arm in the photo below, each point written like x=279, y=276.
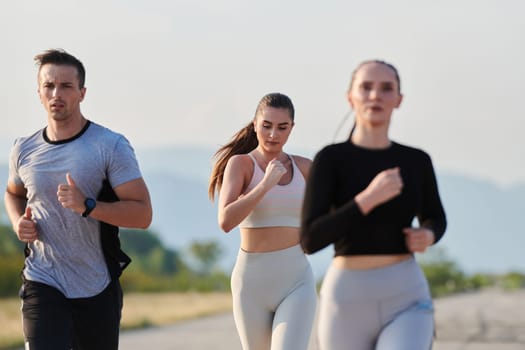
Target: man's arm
x=19, y=214
x=133, y=209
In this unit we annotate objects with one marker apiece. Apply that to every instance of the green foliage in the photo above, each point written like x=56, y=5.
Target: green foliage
x=138, y=241
x=182, y=281
x=444, y=278
x=11, y=262
x=3, y=215
x=157, y=268
x=207, y=253
x=10, y=270
x=513, y=280
x=10, y=245
x=148, y=254
x=443, y=275
x=479, y=280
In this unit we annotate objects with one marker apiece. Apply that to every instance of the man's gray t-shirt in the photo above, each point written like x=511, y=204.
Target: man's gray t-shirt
x=68, y=253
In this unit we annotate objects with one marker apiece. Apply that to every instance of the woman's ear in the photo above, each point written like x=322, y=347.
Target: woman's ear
x=399, y=100
x=349, y=98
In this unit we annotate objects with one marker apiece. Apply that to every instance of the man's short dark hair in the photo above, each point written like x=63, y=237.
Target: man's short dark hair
x=61, y=57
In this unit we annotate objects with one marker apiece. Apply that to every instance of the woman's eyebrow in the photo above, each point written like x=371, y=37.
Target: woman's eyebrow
x=269, y=122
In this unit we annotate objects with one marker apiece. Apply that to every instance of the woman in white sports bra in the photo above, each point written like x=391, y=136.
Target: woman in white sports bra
x=261, y=190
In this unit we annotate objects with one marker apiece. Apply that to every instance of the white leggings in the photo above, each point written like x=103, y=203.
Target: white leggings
x=386, y=308
x=274, y=299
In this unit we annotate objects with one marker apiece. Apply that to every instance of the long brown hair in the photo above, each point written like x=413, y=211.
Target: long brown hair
x=245, y=140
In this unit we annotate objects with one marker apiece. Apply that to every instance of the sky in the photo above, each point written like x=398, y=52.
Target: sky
x=190, y=73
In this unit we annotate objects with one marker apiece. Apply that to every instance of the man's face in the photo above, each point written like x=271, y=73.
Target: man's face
x=59, y=91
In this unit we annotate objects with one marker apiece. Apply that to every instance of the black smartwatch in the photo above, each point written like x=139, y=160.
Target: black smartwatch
x=90, y=204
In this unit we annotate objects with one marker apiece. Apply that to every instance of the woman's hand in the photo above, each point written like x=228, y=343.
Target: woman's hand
x=273, y=173
x=383, y=187
x=418, y=239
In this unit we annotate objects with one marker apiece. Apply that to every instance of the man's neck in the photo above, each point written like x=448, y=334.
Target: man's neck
x=58, y=130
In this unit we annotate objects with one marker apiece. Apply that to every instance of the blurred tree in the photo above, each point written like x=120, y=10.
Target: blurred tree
x=444, y=275
x=207, y=254
x=11, y=262
x=149, y=253
x=513, y=280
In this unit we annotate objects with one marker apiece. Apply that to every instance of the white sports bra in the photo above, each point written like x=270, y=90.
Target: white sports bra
x=281, y=205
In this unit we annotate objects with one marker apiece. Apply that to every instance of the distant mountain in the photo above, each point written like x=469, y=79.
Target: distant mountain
x=183, y=213
x=485, y=232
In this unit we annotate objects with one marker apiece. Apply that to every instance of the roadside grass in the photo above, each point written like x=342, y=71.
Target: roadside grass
x=10, y=323
x=157, y=309
x=140, y=310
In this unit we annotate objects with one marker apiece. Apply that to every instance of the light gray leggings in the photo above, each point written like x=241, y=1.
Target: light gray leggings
x=386, y=308
x=274, y=299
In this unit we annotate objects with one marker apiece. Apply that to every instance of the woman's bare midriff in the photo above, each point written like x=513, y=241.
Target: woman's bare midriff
x=268, y=239
x=363, y=262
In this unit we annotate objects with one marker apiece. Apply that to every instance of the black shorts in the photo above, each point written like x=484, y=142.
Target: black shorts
x=54, y=322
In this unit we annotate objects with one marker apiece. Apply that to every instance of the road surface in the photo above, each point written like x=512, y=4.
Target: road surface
x=487, y=320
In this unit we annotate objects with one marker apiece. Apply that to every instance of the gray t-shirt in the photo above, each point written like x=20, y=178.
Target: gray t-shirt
x=68, y=253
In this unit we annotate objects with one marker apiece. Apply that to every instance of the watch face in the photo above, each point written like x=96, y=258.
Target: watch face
x=90, y=203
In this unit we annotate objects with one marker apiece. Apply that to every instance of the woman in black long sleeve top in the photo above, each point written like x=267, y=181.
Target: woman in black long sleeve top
x=363, y=195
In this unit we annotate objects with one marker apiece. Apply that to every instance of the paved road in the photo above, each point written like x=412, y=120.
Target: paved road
x=489, y=320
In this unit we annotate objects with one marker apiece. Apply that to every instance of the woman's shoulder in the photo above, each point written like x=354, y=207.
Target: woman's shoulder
x=303, y=164
x=300, y=160
x=334, y=151
x=239, y=167
x=412, y=151
x=240, y=160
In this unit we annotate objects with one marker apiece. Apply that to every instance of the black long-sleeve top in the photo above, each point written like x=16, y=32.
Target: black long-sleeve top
x=331, y=215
